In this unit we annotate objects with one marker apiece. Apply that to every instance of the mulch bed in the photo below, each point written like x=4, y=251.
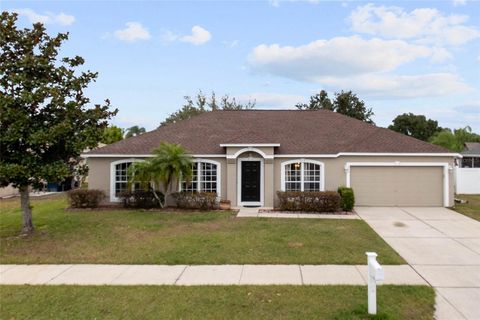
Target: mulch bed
x=346, y=213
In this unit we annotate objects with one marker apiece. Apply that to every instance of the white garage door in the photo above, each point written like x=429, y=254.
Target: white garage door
x=397, y=186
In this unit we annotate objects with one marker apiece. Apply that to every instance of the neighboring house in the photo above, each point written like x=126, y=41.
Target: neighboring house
x=467, y=175
x=471, y=155
x=247, y=156
x=8, y=191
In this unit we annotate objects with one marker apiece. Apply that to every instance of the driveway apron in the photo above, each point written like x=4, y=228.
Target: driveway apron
x=442, y=246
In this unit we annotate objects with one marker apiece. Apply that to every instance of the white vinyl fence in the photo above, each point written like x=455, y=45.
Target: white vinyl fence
x=467, y=180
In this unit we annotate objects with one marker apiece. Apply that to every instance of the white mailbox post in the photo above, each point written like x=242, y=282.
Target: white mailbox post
x=375, y=273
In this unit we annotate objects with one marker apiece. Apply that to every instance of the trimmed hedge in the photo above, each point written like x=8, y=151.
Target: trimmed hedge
x=85, y=198
x=196, y=200
x=347, y=196
x=327, y=201
x=141, y=199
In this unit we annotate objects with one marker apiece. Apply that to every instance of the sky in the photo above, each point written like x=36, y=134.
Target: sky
x=398, y=56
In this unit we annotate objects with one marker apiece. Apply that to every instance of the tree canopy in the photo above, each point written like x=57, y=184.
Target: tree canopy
x=112, y=134
x=134, y=131
x=417, y=126
x=454, y=140
x=345, y=102
x=46, y=121
x=202, y=104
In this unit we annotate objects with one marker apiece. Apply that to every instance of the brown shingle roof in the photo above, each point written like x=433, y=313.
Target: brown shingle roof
x=297, y=132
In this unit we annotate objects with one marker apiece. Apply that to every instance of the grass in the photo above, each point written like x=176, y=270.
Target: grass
x=470, y=209
x=145, y=237
x=213, y=302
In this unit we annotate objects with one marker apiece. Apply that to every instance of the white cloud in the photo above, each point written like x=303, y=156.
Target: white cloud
x=340, y=56
x=199, y=36
x=46, y=18
x=134, y=31
x=271, y=99
x=425, y=25
x=399, y=86
x=365, y=66
x=457, y=3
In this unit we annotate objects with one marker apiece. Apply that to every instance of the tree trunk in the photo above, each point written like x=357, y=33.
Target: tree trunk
x=26, y=210
x=156, y=195
x=166, y=188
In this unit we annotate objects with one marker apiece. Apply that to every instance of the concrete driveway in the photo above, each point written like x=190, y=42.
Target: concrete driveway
x=442, y=246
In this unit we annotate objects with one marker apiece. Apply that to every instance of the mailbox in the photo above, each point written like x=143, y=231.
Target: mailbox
x=375, y=273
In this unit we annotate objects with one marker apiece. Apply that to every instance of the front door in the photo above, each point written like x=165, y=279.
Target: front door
x=250, y=181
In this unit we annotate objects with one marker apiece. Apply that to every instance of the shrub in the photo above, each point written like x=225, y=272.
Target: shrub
x=328, y=201
x=347, y=198
x=196, y=200
x=141, y=199
x=85, y=198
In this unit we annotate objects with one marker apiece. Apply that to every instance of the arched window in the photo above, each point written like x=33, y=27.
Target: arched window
x=302, y=175
x=119, y=177
x=205, y=177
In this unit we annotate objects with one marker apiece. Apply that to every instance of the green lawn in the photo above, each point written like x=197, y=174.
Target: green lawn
x=143, y=237
x=213, y=302
x=470, y=209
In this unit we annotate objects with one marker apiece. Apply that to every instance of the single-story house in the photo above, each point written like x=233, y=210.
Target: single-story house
x=246, y=156
x=471, y=155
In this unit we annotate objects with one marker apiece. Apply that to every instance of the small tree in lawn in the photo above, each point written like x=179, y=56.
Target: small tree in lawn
x=45, y=122
x=170, y=163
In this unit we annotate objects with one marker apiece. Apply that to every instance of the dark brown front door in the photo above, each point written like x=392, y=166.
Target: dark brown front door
x=250, y=181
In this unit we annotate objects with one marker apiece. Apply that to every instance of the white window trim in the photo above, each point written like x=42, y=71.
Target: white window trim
x=199, y=172
x=302, y=161
x=113, y=176
x=250, y=145
x=250, y=149
x=239, y=182
x=445, y=165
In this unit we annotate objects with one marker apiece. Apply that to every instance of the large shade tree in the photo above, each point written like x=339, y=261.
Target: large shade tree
x=203, y=103
x=112, y=134
x=345, y=102
x=170, y=162
x=417, y=126
x=45, y=118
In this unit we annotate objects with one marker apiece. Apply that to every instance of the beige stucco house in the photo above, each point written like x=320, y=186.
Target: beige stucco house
x=247, y=156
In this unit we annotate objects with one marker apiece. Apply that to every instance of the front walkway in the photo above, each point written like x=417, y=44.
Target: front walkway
x=442, y=246
x=84, y=274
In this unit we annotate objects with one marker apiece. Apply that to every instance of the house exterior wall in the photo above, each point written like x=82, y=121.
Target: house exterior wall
x=335, y=174
x=8, y=191
x=100, y=168
x=334, y=171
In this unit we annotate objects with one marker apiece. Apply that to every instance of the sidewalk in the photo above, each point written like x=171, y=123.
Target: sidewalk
x=97, y=274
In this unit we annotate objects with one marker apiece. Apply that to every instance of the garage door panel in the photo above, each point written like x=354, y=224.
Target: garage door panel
x=397, y=186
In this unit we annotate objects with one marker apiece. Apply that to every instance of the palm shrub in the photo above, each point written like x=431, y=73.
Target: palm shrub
x=169, y=163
